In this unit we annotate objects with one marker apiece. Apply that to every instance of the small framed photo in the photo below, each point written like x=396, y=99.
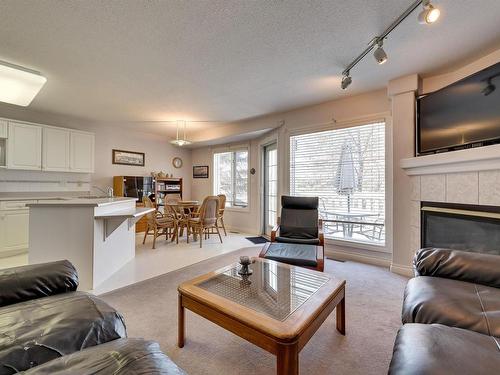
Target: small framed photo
x=129, y=158
x=200, y=171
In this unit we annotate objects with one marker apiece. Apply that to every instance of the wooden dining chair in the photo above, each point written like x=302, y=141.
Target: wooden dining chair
x=205, y=219
x=172, y=198
x=220, y=214
x=181, y=218
x=159, y=224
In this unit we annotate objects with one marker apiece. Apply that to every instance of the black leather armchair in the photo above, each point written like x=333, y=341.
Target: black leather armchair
x=298, y=238
x=299, y=222
x=46, y=326
x=455, y=288
x=451, y=315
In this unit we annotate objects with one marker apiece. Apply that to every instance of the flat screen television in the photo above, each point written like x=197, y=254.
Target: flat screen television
x=462, y=115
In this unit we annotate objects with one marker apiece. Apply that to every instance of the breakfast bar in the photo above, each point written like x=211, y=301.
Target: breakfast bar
x=96, y=234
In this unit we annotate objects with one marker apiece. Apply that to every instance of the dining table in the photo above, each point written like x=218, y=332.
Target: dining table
x=348, y=219
x=183, y=209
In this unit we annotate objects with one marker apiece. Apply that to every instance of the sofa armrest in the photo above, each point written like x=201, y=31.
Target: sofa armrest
x=459, y=265
x=25, y=283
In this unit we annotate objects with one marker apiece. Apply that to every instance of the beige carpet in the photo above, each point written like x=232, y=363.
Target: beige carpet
x=373, y=309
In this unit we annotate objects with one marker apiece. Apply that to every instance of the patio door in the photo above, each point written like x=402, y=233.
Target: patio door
x=270, y=188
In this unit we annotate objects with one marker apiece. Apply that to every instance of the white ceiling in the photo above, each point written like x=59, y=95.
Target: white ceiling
x=140, y=61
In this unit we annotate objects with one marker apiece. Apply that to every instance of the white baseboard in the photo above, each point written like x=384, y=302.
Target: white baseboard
x=402, y=270
x=241, y=231
x=356, y=257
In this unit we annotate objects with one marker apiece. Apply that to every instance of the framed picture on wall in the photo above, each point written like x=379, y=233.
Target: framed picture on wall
x=200, y=171
x=129, y=158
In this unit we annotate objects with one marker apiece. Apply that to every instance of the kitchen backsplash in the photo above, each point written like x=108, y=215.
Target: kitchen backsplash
x=38, y=181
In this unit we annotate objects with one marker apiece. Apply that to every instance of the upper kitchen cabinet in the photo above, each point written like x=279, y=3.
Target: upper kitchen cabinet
x=48, y=148
x=24, y=146
x=55, y=149
x=81, y=152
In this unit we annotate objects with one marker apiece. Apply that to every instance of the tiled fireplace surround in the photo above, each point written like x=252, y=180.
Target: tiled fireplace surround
x=475, y=180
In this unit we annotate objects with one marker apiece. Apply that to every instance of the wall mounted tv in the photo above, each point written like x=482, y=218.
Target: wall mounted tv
x=465, y=114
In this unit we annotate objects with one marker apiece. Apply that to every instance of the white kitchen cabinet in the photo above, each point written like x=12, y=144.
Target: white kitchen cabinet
x=55, y=149
x=14, y=227
x=24, y=146
x=4, y=128
x=81, y=152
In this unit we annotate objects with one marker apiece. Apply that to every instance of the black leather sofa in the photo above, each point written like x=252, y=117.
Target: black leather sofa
x=451, y=315
x=47, y=327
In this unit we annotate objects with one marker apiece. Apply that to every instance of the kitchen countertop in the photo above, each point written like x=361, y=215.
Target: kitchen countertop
x=90, y=201
x=25, y=196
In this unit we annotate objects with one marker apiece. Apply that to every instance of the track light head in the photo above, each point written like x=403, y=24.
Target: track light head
x=490, y=87
x=379, y=54
x=429, y=14
x=346, y=81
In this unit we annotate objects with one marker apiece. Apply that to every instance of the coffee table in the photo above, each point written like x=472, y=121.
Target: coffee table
x=278, y=308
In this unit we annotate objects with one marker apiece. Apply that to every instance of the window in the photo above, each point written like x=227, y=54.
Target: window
x=345, y=168
x=231, y=177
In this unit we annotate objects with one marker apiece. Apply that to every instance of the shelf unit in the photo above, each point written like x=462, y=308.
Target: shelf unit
x=166, y=186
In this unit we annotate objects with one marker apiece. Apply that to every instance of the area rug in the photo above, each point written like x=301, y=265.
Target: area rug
x=257, y=240
x=373, y=316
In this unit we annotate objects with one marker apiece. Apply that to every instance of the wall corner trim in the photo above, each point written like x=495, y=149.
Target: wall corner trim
x=401, y=85
x=401, y=269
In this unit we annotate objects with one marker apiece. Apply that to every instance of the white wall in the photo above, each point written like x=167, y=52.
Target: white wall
x=159, y=152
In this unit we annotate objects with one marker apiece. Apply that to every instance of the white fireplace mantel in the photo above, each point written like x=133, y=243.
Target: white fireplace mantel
x=473, y=159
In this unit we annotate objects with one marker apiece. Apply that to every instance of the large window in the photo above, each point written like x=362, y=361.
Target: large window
x=345, y=168
x=231, y=177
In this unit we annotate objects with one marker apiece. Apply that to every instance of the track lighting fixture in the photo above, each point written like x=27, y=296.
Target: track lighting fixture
x=490, y=87
x=379, y=54
x=429, y=14
x=346, y=81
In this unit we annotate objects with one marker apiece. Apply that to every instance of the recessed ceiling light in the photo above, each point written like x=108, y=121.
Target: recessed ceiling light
x=19, y=85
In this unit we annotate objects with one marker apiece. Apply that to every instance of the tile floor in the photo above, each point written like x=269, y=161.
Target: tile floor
x=168, y=257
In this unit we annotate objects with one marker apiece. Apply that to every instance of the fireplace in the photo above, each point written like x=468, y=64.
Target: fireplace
x=463, y=227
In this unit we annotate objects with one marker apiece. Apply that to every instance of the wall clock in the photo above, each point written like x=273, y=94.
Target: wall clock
x=177, y=162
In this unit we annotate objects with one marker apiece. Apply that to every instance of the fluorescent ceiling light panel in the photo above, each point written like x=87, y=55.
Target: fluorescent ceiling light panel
x=19, y=85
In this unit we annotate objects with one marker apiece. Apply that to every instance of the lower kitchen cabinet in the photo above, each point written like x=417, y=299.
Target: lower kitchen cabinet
x=14, y=230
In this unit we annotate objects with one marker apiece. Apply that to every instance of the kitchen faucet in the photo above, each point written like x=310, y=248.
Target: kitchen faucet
x=109, y=191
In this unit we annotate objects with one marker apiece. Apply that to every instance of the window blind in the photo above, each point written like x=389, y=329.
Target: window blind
x=231, y=177
x=345, y=168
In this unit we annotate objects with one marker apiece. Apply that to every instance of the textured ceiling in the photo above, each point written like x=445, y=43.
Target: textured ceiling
x=135, y=60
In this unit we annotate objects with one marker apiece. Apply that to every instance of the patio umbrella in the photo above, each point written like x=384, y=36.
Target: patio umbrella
x=345, y=179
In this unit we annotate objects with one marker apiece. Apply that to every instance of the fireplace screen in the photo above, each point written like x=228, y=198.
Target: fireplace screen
x=461, y=229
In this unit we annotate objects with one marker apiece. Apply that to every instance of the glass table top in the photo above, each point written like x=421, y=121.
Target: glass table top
x=272, y=289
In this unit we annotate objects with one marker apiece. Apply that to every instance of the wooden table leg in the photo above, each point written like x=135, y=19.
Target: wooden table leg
x=341, y=316
x=287, y=360
x=181, y=324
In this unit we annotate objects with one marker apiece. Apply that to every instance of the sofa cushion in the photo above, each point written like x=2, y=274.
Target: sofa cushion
x=118, y=357
x=296, y=254
x=36, y=331
x=453, y=303
x=459, y=265
x=304, y=241
x=24, y=283
x=422, y=349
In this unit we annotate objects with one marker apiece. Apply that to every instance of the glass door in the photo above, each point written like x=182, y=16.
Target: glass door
x=270, y=188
